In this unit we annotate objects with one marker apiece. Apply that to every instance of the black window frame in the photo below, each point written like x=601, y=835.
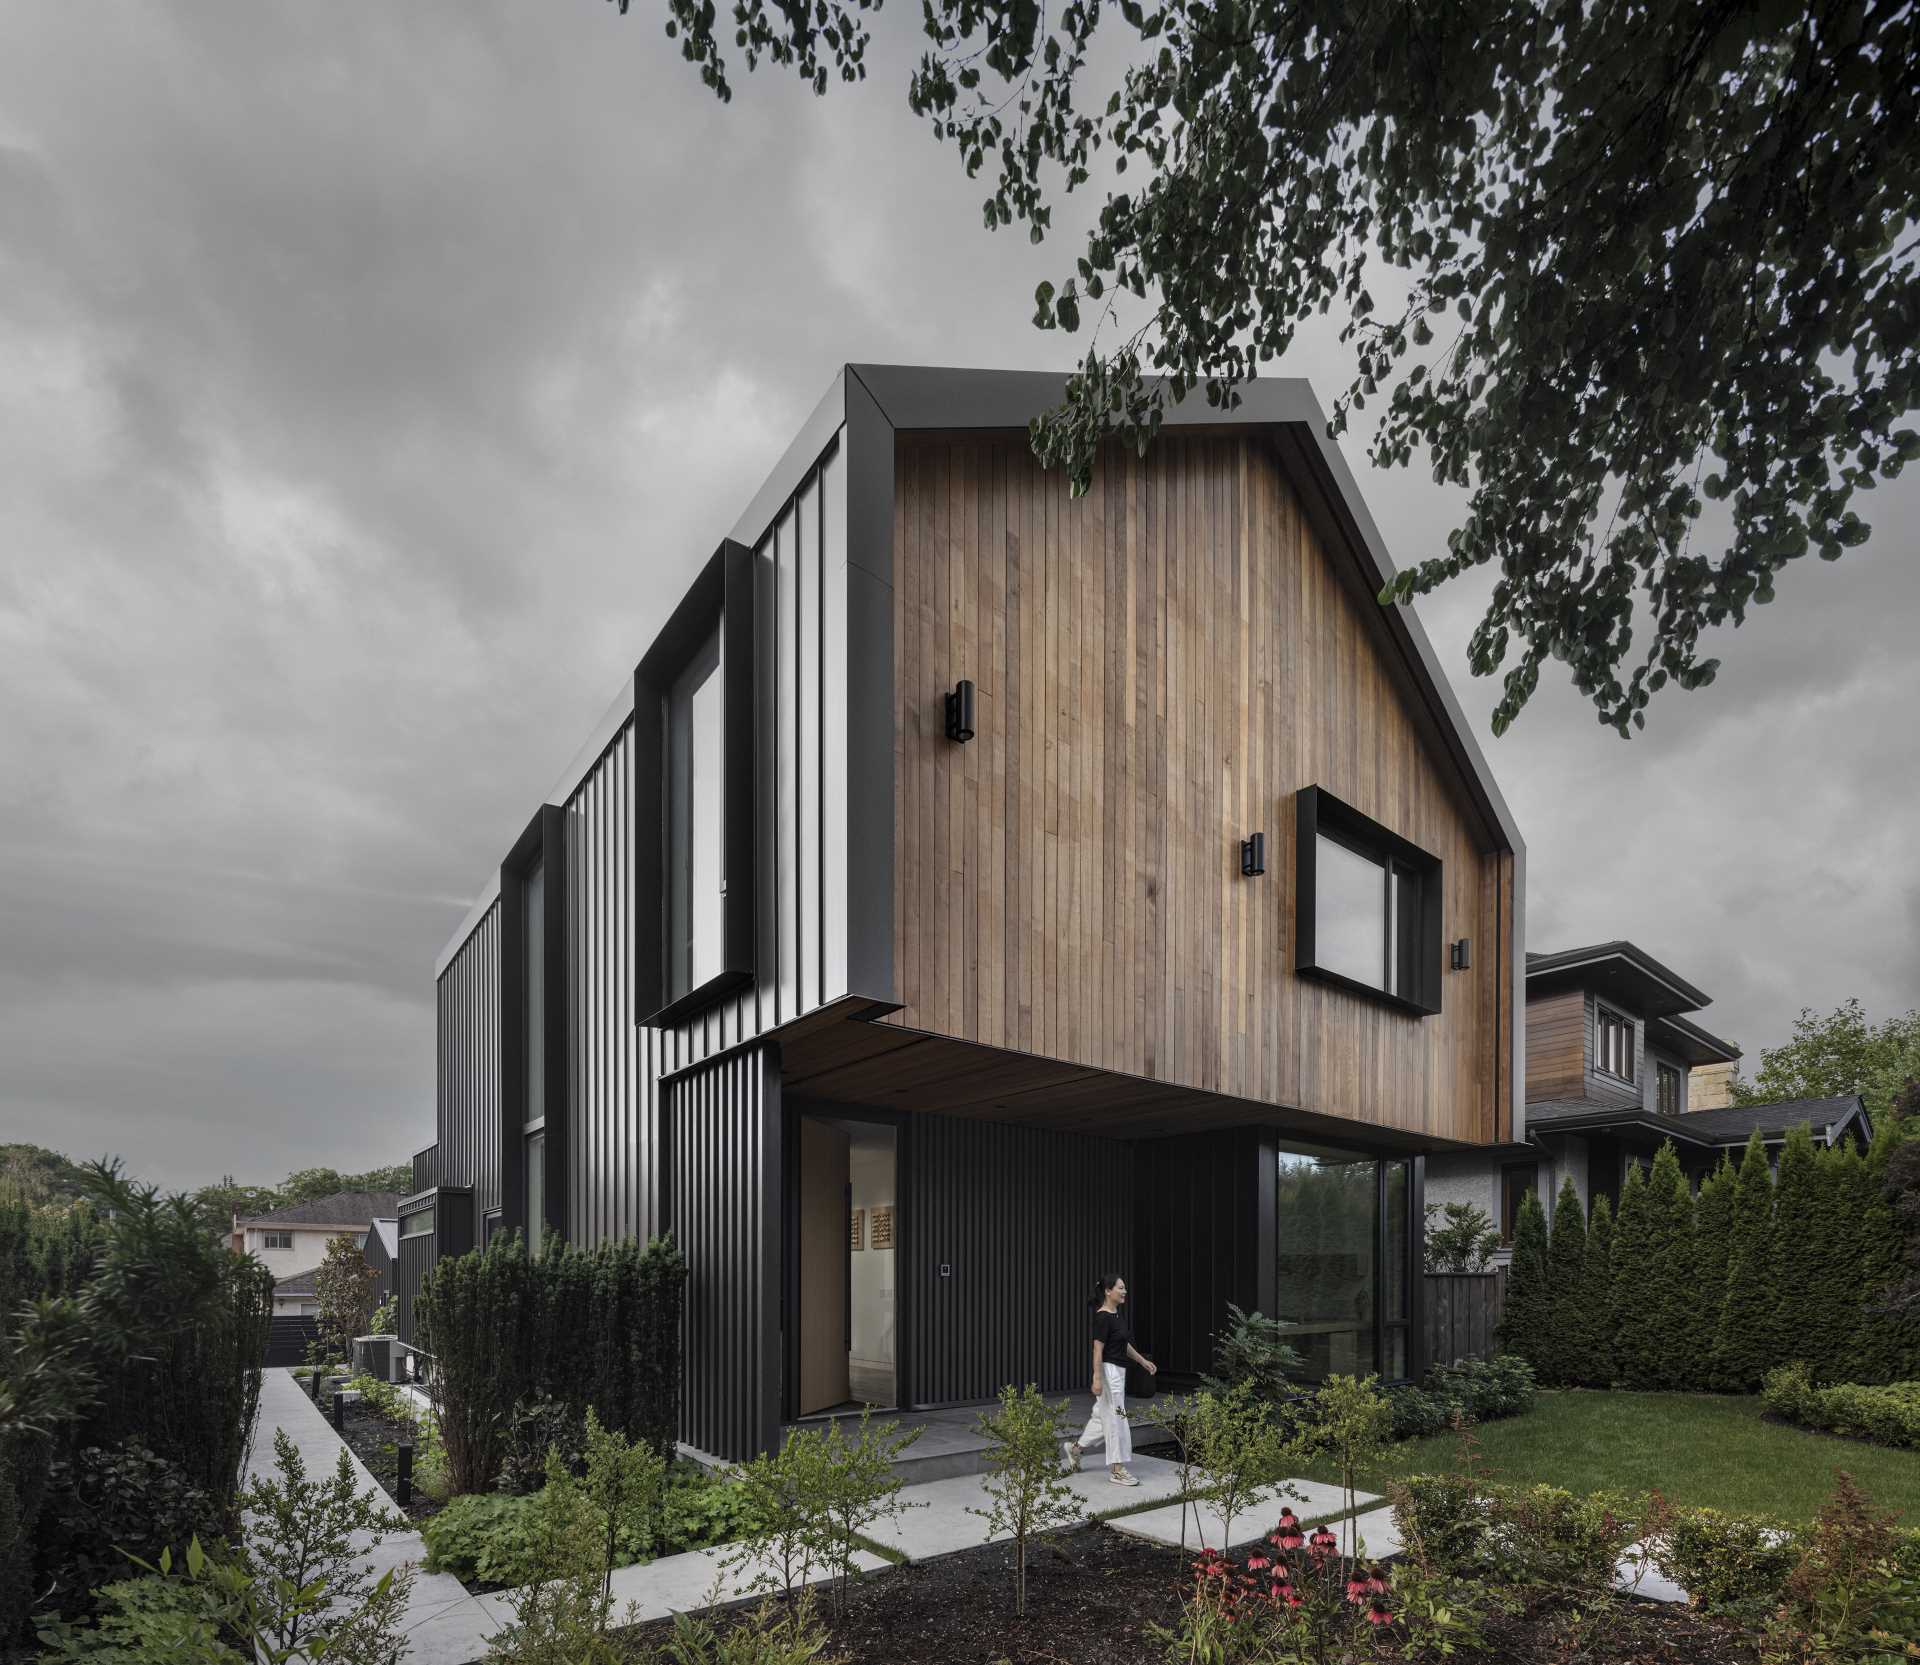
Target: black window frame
x=721, y=599
x=1318, y=811
x=541, y=846
x=1510, y=1218
x=1602, y=1012
x=1663, y=1072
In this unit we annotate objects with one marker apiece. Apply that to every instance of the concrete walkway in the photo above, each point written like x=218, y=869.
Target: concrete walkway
x=1311, y=1500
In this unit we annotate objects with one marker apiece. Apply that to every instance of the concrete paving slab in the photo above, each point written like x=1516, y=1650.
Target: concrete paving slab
x=1310, y=1500
x=1637, y=1573
x=937, y=1521
x=1373, y=1534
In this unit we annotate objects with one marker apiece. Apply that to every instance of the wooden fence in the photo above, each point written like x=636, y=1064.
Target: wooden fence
x=1463, y=1310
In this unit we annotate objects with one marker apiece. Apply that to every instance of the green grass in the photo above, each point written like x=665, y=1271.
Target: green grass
x=1696, y=1448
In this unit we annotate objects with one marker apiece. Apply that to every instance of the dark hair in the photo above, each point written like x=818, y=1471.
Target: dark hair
x=1101, y=1285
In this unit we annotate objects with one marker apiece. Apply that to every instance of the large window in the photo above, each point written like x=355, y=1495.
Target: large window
x=1672, y=1097
x=1368, y=906
x=534, y=953
x=1343, y=1242
x=1612, y=1043
x=696, y=808
x=694, y=705
x=418, y=1224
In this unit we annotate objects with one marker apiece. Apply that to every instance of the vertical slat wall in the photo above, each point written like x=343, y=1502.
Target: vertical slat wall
x=467, y=1110
x=1160, y=665
x=1196, y=1247
x=721, y=1127
x=612, y=1145
x=1026, y=1219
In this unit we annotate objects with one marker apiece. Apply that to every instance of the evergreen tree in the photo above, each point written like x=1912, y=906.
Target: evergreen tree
x=1742, y=1344
x=1834, y=1261
x=1670, y=1295
x=1796, y=1295
x=1526, y=1324
x=1566, y=1267
x=1635, y=1339
x=1884, y=1347
x=1712, y=1223
x=1597, y=1297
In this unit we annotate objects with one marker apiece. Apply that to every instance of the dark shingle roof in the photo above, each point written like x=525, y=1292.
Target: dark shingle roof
x=1730, y=1126
x=358, y=1209
x=301, y=1283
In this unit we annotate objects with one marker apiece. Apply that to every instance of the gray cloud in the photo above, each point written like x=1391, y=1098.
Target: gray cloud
x=369, y=381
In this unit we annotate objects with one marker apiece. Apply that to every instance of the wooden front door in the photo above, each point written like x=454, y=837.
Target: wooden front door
x=825, y=1267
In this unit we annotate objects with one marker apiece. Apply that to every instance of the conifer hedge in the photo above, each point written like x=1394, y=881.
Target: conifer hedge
x=1710, y=1292
x=586, y=1328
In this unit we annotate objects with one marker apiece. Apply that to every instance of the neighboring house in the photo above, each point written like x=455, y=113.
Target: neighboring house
x=976, y=889
x=297, y=1296
x=1615, y=1067
x=294, y=1239
x=382, y=1251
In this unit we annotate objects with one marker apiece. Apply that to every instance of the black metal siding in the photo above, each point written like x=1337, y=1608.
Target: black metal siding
x=721, y=1127
x=467, y=1113
x=1024, y=1220
x=1197, y=1215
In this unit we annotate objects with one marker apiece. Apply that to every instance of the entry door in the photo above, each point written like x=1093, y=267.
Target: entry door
x=826, y=1266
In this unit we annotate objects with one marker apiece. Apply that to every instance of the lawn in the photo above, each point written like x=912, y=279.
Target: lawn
x=1696, y=1448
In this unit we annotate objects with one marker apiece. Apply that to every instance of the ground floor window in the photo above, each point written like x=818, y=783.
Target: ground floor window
x=1343, y=1240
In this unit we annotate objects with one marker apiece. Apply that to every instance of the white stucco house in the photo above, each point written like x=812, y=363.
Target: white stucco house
x=292, y=1241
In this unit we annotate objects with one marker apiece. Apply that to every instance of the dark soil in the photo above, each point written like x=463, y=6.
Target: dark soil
x=375, y=1441
x=1094, y=1595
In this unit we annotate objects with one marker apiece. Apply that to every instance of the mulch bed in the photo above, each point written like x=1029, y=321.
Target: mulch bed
x=375, y=1439
x=1093, y=1594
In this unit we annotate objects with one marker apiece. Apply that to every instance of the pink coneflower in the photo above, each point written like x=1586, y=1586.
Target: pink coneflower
x=1322, y=1542
x=1288, y=1534
x=1376, y=1585
x=1378, y=1615
x=1356, y=1588
x=1258, y=1563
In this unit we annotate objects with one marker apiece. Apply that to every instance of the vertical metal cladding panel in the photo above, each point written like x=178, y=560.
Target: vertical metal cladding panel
x=467, y=1112
x=610, y=1157
x=1196, y=1242
x=417, y=1255
x=722, y=1136
x=1024, y=1220
x=426, y=1168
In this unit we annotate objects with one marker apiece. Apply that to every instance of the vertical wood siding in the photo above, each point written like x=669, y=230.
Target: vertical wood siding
x=1027, y=1220
x=721, y=1127
x=1159, y=667
x=1556, y=1046
x=468, y=1104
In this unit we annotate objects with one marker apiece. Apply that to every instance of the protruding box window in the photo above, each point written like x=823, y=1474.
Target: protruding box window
x=1367, y=905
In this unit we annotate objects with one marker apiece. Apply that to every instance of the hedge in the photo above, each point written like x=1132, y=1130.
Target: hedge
x=1888, y=1414
x=1709, y=1293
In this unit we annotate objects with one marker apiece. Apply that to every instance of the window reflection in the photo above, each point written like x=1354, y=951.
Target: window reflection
x=1326, y=1233
x=1349, y=914
x=696, y=744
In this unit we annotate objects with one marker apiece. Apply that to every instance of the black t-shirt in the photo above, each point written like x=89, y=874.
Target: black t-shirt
x=1115, y=1334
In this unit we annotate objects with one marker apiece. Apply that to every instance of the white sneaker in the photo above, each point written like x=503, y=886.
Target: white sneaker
x=1120, y=1477
x=1070, y=1449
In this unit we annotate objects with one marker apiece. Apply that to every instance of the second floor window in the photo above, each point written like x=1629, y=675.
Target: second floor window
x=276, y=1240
x=1613, y=1044
x=1369, y=905
x=695, y=755
x=1672, y=1091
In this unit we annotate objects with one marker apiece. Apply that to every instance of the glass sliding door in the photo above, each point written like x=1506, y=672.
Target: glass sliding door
x=1342, y=1239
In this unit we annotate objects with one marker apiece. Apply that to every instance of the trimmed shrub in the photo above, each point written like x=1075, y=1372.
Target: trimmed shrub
x=1526, y=1326
x=1726, y=1563
x=1566, y=1266
x=1886, y=1414
x=1884, y=1342
x=1742, y=1351
x=1595, y=1318
x=1671, y=1300
x=1833, y=1261
x=1475, y=1390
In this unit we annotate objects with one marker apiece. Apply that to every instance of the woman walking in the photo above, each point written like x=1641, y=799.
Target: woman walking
x=1112, y=1347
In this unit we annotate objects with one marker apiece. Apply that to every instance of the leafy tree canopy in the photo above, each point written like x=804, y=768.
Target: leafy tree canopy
x=1600, y=263
x=1837, y=1053
x=40, y=1177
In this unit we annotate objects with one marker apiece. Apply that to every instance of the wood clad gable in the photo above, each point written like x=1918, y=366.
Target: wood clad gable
x=1159, y=667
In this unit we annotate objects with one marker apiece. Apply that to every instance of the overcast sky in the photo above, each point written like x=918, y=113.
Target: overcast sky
x=371, y=378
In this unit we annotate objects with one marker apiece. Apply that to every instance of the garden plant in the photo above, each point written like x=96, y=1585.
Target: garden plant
x=1027, y=1494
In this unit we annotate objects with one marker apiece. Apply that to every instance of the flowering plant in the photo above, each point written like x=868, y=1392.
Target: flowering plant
x=1291, y=1600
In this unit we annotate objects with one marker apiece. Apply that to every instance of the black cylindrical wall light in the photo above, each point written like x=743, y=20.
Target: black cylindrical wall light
x=960, y=712
x=1253, y=855
x=1462, y=956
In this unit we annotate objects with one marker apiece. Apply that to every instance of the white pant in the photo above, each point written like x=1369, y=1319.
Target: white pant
x=1108, y=1425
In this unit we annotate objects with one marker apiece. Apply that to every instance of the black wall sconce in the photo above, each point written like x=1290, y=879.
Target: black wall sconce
x=1460, y=958
x=1253, y=855
x=960, y=712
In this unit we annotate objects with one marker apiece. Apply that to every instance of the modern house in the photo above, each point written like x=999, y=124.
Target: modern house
x=294, y=1239
x=382, y=1253
x=1616, y=1066
x=975, y=889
